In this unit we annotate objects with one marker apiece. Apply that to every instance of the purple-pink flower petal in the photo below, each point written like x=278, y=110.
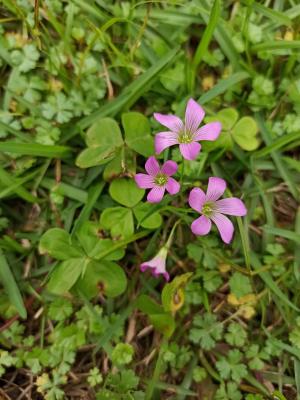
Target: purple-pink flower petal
x=210, y=131
x=190, y=151
x=156, y=194
x=194, y=114
x=201, y=226
x=216, y=187
x=196, y=199
x=163, y=140
x=172, y=186
x=144, y=181
x=224, y=226
x=152, y=166
x=169, y=168
x=231, y=206
x=172, y=122
x=157, y=264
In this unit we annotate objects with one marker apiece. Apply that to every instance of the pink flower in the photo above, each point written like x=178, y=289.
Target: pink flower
x=186, y=134
x=213, y=209
x=157, y=264
x=158, y=179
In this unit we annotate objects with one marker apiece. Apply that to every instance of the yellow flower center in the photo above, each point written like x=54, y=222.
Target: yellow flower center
x=161, y=179
x=185, y=137
x=207, y=209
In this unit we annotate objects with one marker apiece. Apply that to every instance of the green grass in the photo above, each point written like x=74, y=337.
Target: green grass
x=78, y=317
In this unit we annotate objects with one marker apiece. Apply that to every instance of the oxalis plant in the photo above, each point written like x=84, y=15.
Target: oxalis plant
x=158, y=179
x=87, y=257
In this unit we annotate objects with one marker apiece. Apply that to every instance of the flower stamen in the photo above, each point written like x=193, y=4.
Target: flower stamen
x=185, y=137
x=161, y=179
x=208, y=209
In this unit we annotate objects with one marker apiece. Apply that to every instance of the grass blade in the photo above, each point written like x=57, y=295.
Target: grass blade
x=10, y=286
x=268, y=280
x=93, y=196
x=295, y=237
x=222, y=86
x=277, y=45
x=14, y=185
x=35, y=149
x=283, y=171
x=132, y=92
x=277, y=144
x=204, y=42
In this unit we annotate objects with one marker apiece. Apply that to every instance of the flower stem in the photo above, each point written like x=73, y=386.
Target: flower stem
x=157, y=370
x=182, y=173
x=169, y=241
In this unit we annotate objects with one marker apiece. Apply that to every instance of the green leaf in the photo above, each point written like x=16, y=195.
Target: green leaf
x=232, y=366
x=94, y=246
x=35, y=149
x=244, y=133
x=164, y=323
x=106, y=276
x=240, y=285
x=105, y=132
x=11, y=287
x=91, y=157
x=206, y=331
x=15, y=185
x=153, y=221
x=126, y=192
x=122, y=354
x=57, y=243
x=137, y=133
x=222, y=86
x=66, y=274
x=103, y=140
x=228, y=118
x=148, y=306
x=236, y=335
x=206, y=37
x=118, y=220
x=133, y=91
x=172, y=296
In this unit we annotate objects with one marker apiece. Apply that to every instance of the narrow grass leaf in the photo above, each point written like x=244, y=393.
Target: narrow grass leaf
x=93, y=195
x=283, y=171
x=14, y=185
x=132, y=92
x=274, y=15
x=277, y=144
x=11, y=286
x=222, y=86
x=295, y=237
x=35, y=149
x=205, y=40
x=268, y=280
x=277, y=45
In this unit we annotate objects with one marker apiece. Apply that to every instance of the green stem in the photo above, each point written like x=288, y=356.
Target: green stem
x=169, y=241
x=157, y=370
x=182, y=173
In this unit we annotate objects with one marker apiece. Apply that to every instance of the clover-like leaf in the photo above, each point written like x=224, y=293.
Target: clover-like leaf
x=126, y=192
x=146, y=218
x=137, y=133
x=244, y=133
x=103, y=140
x=102, y=276
x=119, y=220
x=57, y=243
x=66, y=274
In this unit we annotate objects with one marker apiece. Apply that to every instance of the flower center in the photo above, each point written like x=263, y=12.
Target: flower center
x=161, y=179
x=185, y=137
x=207, y=209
